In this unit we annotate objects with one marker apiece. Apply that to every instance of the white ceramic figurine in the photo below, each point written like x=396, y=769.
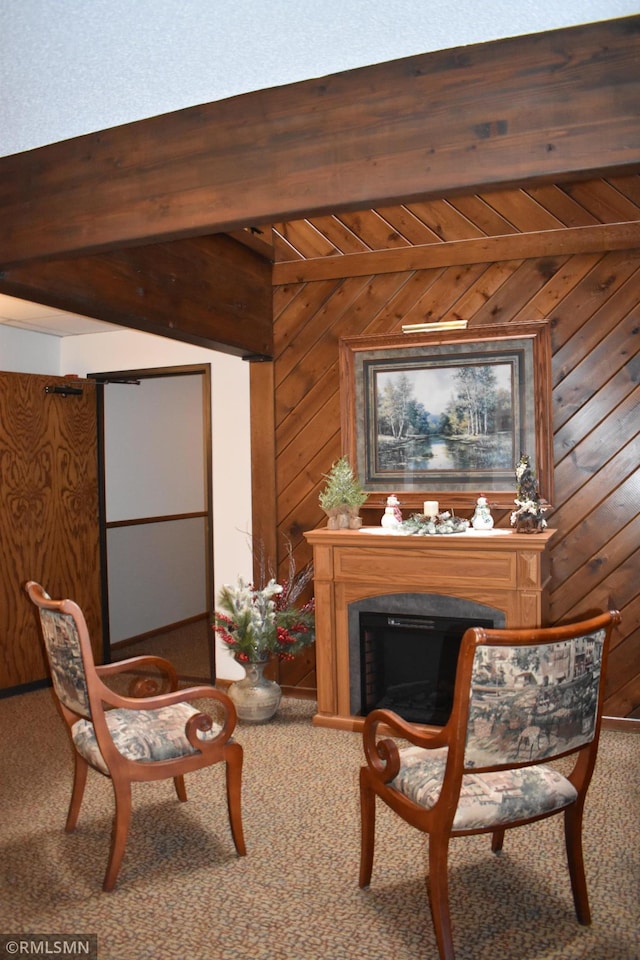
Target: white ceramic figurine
x=392, y=516
x=482, y=519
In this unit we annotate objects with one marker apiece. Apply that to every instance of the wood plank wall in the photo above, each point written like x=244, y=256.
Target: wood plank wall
x=507, y=256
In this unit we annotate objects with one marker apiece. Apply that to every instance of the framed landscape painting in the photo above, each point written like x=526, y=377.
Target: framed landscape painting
x=446, y=415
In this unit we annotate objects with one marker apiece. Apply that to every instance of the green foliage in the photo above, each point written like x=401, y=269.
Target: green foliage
x=423, y=526
x=343, y=489
x=258, y=623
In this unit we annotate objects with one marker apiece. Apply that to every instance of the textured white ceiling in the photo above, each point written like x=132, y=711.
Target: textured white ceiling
x=73, y=67
x=76, y=66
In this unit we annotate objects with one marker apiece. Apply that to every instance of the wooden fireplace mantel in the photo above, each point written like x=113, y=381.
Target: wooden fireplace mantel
x=500, y=568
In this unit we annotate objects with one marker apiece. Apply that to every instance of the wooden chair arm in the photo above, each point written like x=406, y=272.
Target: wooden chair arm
x=383, y=757
x=204, y=692
x=143, y=686
x=203, y=722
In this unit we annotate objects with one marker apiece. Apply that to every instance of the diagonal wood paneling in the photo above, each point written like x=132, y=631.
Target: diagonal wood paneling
x=591, y=299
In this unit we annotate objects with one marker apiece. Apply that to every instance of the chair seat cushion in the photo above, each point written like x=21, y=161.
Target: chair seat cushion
x=141, y=734
x=486, y=799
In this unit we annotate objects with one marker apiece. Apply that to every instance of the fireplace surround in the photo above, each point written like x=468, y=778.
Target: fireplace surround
x=497, y=575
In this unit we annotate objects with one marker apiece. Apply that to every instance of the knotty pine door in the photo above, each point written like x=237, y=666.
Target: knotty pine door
x=49, y=528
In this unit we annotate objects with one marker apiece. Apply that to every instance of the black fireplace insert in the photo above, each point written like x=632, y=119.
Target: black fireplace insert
x=408, y=663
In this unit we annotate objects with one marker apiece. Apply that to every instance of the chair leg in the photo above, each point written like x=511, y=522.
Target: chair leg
x=181, y=790
x=119, y=832
x=438, y=887
x=234, y=795
x=497, y=839
x=575, y=859
x=79, y=780
x=367, y=828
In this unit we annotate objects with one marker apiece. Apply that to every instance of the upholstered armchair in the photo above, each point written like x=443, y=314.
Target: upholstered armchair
x=153, y=733
x=523, y=699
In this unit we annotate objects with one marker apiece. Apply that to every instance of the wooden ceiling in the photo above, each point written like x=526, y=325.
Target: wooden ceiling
x=574, y=217
x=139, y=225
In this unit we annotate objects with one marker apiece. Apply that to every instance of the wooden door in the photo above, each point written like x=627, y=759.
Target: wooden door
x=49, y=528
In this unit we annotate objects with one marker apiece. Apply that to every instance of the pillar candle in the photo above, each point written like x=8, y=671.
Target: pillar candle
x=430, y=508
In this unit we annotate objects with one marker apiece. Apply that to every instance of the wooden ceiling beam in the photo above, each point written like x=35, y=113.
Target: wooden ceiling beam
x=209, y=291
x=540, y=108
x=522, y=246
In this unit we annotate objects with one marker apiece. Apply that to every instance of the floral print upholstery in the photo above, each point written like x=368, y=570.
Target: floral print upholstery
x=533, y=703
x=526, y=704
x=141, y=734
x=486, y=799
x=65, y=660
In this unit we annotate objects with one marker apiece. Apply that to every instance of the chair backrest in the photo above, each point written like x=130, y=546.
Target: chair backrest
x=532, y=695
x=64, y=649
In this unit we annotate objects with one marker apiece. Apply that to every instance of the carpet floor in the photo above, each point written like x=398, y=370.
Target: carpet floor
x=183, y=894
x=187, y=646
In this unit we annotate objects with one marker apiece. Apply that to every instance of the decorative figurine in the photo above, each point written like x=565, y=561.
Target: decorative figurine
x=482, y=519
x=392, y=516
x=528, y=517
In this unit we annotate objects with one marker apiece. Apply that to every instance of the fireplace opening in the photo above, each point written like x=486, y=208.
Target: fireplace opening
x=408, y=663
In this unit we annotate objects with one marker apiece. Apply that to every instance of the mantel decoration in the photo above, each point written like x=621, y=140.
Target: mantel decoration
x=482, y=519
x=528, y=517
x=439, y=524
x=258, y=624
x=342, y=496
x=392, y=517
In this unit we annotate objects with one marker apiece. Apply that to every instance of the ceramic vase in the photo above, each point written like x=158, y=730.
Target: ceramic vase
x=255, y=698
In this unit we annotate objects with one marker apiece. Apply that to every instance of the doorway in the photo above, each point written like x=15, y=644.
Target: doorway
x=154, y=447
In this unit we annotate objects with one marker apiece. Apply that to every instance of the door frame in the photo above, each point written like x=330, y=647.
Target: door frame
x=135, y=377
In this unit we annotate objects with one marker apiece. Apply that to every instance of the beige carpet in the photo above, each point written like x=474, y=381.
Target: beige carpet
x=184, y=895
x=187, y=646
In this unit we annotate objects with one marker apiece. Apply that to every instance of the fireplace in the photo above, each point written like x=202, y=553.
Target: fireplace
x=497, y=576
x=403, y=652
x=408, y=665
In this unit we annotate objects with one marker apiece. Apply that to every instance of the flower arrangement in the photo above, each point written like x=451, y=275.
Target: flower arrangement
x=528, y=517
x=257, y=623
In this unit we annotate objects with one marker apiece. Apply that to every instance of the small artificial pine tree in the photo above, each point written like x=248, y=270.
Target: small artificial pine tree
x=343, y=490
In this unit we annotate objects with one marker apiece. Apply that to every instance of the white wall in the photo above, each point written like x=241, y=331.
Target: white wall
x=77, y=66
x=22, y=351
